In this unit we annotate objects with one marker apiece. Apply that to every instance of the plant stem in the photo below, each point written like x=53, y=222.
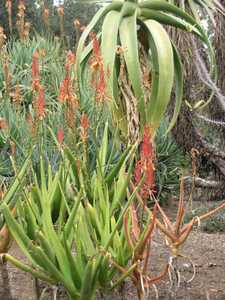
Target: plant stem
x=28, y=269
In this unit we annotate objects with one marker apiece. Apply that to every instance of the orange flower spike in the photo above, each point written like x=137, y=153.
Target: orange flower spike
x=147, y=157
x=84, y=124
x=17, y=96
x=35, y=72
x=35, y=65
x=101, y=85
x=64, y=93
x=146, y=147
x=60, y=136
x=71, y=58
x=3, y=124
x=41, y=104
x=145, y=165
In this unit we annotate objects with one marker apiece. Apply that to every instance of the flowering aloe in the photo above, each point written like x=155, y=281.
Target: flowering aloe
x=136, y=27
x=145, y=165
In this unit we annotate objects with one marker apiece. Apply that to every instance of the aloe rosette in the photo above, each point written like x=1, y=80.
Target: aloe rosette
x=132, y=25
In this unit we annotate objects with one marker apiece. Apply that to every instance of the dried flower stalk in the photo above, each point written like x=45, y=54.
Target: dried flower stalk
x=8, y=6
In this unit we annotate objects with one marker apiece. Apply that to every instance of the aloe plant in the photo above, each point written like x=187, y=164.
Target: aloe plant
x=136, y=26
x=9, y=196
x=18, y=57
x=67, y=221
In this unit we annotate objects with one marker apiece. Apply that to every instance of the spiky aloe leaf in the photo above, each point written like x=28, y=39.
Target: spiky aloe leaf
x=81, y=46
x=163, y=72
x=163, y=6
x=179, y=87
x=109, y=44
x=129, y=42
x=16, y=184
x=167, y=19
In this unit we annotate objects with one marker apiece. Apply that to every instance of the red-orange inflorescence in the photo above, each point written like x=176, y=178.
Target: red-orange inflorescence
x=35, y=71
x=101, y=85
x=98, y=78
x=3, y=124
x=60, y=135
x=40, y=104
x=145, y=165
x=84, y=125
x=71, y=58
x=17, y=95
x=66, y=89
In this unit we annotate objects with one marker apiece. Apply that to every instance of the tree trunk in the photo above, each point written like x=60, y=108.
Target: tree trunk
x=194, y=129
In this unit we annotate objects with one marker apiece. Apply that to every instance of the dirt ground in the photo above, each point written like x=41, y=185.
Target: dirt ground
x=207, y=251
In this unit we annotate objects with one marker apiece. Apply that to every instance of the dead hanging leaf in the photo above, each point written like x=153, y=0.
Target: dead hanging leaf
x=5, y=238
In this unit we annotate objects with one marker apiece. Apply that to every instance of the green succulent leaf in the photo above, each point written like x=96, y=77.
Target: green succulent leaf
x=163, y=72
x=179, y=87
x=129, y=42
